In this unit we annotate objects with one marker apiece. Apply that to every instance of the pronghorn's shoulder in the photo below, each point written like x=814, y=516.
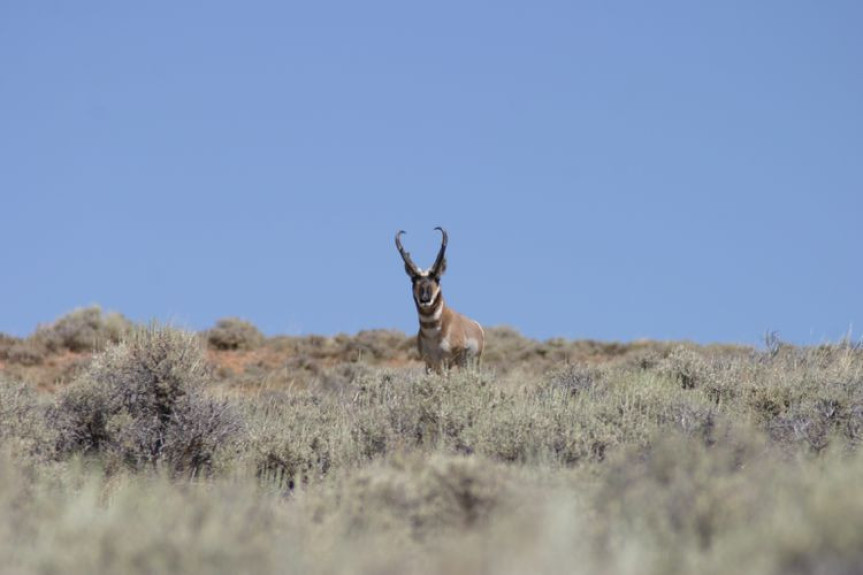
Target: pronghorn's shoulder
x=448, y=315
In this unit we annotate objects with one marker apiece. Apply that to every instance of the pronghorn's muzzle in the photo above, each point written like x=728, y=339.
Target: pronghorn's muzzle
x=425, y=293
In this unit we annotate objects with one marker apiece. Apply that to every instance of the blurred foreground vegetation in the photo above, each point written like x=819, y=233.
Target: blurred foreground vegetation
x=147, y=449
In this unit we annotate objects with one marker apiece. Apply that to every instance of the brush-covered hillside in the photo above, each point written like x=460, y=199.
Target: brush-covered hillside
x=149, y=449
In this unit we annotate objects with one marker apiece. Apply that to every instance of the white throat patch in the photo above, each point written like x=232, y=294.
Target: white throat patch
x=433, y=318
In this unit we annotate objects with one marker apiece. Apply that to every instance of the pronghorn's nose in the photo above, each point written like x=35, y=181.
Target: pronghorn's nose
x=425, y=294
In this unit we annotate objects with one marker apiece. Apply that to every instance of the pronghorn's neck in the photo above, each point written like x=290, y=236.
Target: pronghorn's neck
x=431, y=317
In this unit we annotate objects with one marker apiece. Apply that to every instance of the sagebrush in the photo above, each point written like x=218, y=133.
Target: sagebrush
x=649, y=458
x=143, y=402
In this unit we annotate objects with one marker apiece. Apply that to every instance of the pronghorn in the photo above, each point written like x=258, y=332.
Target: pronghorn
x=446, y=338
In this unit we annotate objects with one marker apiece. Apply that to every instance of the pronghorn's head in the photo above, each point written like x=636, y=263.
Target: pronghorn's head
x=426, y=284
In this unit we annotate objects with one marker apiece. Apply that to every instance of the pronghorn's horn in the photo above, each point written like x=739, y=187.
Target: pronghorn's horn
x=410, y=266
x=440, y=263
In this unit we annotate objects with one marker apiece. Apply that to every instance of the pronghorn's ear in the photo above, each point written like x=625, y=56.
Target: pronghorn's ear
x=411, y=272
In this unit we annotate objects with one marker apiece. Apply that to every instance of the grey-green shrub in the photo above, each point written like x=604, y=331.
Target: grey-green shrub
x=420, y=496
x=142, y=403
x=22, y=420
x=83, y=330
x=293, y=439
x=234, y=334
x=76, y=521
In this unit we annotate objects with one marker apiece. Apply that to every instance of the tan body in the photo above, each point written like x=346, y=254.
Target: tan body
x=446, y=338
x=454, y=341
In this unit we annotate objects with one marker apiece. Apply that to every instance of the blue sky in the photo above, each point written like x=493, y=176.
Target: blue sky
x=606, y=170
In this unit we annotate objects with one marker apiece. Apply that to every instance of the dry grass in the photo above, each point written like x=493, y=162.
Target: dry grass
x=558, y=458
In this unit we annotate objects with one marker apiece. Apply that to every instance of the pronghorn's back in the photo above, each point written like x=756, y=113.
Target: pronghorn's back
x=446, y=338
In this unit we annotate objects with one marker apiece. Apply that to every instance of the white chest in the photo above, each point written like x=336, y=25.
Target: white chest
x=433, y=345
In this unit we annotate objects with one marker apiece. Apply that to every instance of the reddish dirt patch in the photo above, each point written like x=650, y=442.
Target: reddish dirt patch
x=238, y=361
x=56, y=371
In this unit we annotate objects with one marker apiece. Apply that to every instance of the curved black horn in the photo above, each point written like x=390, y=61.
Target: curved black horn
x=439, y=261
x=410, y=266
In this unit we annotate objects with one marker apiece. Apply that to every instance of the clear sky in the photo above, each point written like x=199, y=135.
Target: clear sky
x=608, y=170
